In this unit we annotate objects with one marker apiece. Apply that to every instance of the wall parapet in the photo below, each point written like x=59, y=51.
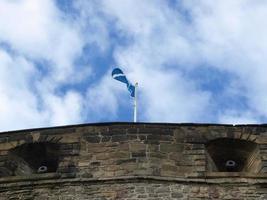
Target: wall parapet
x=135, y=161
x=132, y=149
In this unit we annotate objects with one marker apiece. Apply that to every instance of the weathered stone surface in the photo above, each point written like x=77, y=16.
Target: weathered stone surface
x=135, y=147
x=93, y=139
x=167, y=148
x=119, y=138
x=133, y=161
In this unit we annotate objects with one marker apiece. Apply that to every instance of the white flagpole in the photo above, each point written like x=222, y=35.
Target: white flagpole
x=135, y=102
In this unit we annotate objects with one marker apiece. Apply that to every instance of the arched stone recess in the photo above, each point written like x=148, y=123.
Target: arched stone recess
x=237, y=153
x=36, y=156
x=230, y=133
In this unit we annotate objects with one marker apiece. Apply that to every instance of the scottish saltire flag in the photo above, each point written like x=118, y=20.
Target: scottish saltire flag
x=120, y=76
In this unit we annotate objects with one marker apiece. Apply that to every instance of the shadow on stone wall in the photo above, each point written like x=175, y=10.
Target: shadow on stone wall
x=31, y=158
x=233, y=155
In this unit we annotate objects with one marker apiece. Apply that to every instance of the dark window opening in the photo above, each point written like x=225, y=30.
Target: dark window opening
x=31, y=158
x=232, y=155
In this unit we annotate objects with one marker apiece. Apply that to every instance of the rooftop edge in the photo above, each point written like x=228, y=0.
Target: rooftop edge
x=131, y=123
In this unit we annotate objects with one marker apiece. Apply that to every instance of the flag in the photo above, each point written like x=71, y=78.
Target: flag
x=118, y=75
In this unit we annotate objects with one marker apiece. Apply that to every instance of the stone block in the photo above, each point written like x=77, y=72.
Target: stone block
x=194, y=146
x=165, y=167
x=177, y=195
x=142, y=137
x=263, y=146
x=179, y=135
x=119, y=138
x=194, y=152
x=18, y=137
x=156, y=139
x=3, y=139
x=83, y=164
x=135, y=147
x=119, y=155
x=9, y=145
x=132, y=131
x=176, y=156
x=139, y=154
x=123, y=161
x=157, y=155
x=97, y=148
x=115, y=131
x=167, y=148
x=91, y=134
x=92, y=139
x=105, y=139
x=132, y=137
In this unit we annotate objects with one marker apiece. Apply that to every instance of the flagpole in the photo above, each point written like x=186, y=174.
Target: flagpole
x=135, y=102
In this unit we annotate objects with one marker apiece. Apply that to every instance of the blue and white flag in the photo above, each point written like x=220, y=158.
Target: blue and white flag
x=118, y=75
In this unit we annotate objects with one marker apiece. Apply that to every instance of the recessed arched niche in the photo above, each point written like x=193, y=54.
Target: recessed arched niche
x=233, y=155
x=32, y=158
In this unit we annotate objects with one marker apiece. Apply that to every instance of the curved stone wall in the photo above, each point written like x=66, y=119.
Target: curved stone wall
x=133, y=189
x=146, y=161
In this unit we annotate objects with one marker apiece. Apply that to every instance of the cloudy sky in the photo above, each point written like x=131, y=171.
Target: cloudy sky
x=201, y=61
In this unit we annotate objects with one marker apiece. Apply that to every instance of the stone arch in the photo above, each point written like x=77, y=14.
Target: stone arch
x=31, y=158
x=233, y=155
x=242, y=135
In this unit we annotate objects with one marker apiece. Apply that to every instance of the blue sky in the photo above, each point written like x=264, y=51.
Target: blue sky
x=199, y=61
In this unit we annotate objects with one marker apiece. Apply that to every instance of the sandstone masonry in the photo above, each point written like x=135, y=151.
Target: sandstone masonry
x=133, y=161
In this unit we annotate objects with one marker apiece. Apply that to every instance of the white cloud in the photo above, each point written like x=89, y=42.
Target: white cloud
x=158, y=41
x=232, y=37
x=95, y=26
x=37, y=29
x=233, y=117
x=103, y=99
x=66, y=109
x=32, y=31
x=226, y=35
x=18, y=105
x=165, y=46
x=169, y=97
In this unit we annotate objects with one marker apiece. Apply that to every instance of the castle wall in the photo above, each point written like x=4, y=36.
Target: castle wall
x=135, y=161
x=133, y=190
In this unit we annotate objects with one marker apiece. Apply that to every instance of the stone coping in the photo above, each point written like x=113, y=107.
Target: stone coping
x=132, y=123
x=53, y=178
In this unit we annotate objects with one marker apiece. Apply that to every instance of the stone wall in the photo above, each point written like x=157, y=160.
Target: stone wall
x=133, y=189
x=134, y=161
